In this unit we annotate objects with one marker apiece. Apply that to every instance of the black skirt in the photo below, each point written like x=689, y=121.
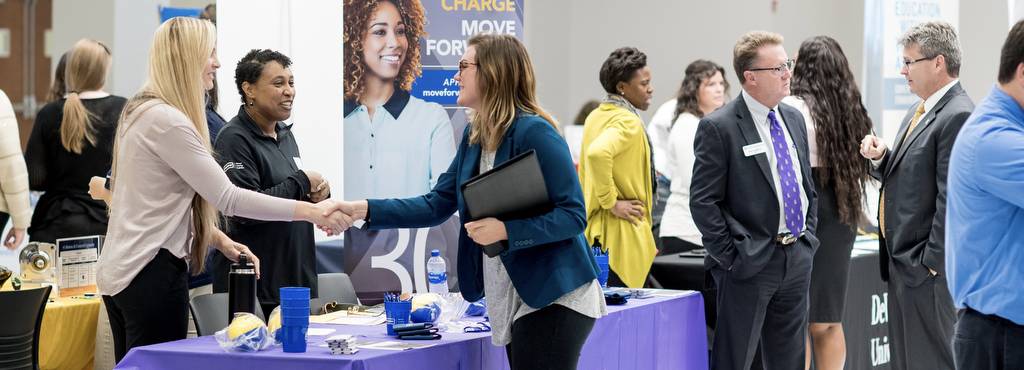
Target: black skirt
x=830, y=274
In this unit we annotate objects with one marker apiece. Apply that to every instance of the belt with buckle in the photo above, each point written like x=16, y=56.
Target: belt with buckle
x=787, y=238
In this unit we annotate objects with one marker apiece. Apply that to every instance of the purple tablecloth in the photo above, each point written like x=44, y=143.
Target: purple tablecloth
x=654, y=333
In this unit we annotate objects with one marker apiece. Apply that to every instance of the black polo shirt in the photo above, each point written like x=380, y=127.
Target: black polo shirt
x=270, y=166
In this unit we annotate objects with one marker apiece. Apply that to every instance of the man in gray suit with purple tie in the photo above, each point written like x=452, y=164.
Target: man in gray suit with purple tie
x=753, y=200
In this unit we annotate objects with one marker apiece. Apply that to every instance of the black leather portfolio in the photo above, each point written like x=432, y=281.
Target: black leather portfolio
x=512, y=190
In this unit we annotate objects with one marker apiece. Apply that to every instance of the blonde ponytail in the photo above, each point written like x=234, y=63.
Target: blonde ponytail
x=86, y=70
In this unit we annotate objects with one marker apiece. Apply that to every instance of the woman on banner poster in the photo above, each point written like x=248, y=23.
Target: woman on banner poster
x=396, y=145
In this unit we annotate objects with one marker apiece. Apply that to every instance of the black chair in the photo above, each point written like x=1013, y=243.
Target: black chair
x=336, y=287
x=19, y=335
x=210, y=312
x=332, y=287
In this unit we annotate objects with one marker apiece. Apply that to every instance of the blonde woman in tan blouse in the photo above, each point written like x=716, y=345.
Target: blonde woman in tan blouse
x=167, y=189
x=13, y=177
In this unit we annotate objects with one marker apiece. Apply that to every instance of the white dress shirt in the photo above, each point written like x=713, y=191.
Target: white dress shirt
x=659, y=130
x=928, y=105
x=812, y=134
x=678, y=221
x=759, y=113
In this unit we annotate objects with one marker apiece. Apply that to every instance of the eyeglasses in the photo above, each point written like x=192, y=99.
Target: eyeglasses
x=463, y=64
x=907, y=63
x=779, y=70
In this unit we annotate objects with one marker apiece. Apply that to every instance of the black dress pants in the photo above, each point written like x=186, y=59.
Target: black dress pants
x=769, y=307
x=153, y=308
x=987, y=342
x=921, y=322
x=548, y=339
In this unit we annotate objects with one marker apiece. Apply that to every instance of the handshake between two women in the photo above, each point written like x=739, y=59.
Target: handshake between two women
x=334, y=216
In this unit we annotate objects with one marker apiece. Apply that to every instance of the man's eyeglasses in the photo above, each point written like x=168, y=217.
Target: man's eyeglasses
x=779, y=70
x=906, y=63
x=463, y=64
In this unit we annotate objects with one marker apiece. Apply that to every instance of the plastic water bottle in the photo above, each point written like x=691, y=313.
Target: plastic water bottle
x=437, y=273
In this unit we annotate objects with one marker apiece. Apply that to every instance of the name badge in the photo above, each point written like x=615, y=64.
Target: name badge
x=754, y=149
x=298, y=162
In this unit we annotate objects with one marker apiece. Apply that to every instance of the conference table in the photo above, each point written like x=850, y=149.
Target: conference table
x=865, y=321
x=662, y=332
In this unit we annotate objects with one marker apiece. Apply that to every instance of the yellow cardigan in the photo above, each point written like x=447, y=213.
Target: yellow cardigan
x=615, y=164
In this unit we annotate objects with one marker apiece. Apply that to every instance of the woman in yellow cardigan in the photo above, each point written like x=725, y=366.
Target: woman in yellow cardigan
x=616, y=169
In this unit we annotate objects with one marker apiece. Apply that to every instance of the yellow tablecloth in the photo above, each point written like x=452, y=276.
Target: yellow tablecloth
x=67, y=337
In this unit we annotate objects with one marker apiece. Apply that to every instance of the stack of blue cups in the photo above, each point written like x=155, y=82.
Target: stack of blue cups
x=294, y=318
x=602, y=265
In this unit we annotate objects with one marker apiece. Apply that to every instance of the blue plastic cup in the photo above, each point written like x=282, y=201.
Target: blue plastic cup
x=294, y=293
x=293, y=338
x=397, y=313
x=296, y=303
x=295, y=321
x=294, y=311
x=602, y=264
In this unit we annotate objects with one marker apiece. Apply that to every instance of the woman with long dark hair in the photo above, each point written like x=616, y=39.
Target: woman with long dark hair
x=824, y=90
x=704, y=89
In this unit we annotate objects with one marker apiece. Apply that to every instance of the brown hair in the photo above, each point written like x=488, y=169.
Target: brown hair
x=86, y=70
x=357, y=16
x=696, y=73
x=745, y=51
x=507, y=86
x=823, y=79
x=58, y=89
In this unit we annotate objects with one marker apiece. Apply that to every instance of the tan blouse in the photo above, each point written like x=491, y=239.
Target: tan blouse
x=161, y=164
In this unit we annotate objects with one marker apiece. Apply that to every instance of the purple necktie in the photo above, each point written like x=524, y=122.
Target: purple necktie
x=787, y=178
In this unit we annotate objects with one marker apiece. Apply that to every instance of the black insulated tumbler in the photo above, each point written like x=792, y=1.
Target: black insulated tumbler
x=241, y=287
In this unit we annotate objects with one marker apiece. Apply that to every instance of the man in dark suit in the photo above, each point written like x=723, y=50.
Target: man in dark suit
x=912, y=206
x=753, y=200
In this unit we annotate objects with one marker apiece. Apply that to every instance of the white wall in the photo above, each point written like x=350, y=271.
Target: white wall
x=983, y=30
x=126, y=26
x=569, y=39
x=74, y=20
x=310, y=33
x=134, y=23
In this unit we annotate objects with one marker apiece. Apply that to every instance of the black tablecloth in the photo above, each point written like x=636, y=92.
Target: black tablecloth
x=865, y=321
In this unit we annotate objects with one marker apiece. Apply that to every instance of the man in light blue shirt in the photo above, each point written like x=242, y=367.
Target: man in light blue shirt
x=985, y=220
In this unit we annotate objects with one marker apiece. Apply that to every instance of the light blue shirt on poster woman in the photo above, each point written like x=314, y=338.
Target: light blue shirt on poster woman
x=985, y=210
x=398, y=153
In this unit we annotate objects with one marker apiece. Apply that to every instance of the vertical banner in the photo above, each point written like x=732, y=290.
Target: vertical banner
x=398, y=146
x=1015, y=11
x=887, y=96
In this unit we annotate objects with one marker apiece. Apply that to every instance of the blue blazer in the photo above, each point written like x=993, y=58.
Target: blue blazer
x=547, y=255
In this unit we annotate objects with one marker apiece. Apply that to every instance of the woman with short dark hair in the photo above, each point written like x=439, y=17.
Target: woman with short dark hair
x=258, y=151
x=617, y=172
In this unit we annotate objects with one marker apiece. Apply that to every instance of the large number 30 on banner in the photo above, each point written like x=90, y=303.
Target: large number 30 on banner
x=402, y=124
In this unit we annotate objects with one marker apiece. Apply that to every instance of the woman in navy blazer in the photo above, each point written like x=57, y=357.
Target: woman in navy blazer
x=542, y=291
